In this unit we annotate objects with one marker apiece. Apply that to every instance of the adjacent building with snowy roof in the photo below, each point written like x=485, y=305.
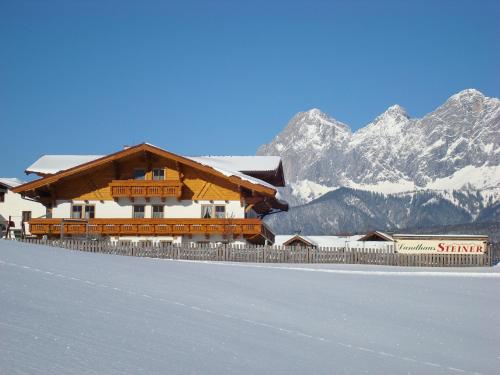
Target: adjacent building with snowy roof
x=145, y=193
x=14, y=208
x=355, y=241
x=450, y=244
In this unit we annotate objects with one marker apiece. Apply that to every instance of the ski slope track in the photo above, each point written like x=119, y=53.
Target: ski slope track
x=80, y=313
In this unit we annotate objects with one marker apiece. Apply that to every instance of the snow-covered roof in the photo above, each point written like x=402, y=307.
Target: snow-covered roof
x=240, y=163
x=50, y=164
x=227, y=165
x=10, y=182
x=381, y=235
x=229, y=172
x=451, y=236
x=331, y=241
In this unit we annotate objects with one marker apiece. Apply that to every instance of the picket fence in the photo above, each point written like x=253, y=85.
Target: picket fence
x=270, y=254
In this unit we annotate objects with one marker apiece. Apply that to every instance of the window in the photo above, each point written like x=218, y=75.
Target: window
x=164, y=243
x=158, y=211
x=138, y=212
x=220, y=212
x=2, y=196
x=80, y=211
x=89, y=212
x=158, y=174
x=77, y=211
x=26, y=216
x=139, y=174
x=209, y=211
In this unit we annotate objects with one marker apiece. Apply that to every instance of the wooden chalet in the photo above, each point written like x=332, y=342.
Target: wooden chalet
x=145, y=193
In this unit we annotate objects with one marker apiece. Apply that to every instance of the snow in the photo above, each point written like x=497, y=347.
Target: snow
x=334, y=241
x=478, y=177
x=240, y=163
x=431, y=201
x=482, y=177
x=489, y=147
x=50, y=164
x=386, y=187
x=466, y=94
x=228, y=173
x=81, y=313
x=10, y=182
x=477, y=236
x=307, y=190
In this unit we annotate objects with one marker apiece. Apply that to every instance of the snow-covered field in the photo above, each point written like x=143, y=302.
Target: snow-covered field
x=64, y=312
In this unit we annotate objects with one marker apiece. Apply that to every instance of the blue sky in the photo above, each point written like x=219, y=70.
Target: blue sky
x=223, y=77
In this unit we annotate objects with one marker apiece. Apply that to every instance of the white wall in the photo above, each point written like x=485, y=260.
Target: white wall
x=177, y=240
x=122, y=209
x=14, y=205
x=173, y=208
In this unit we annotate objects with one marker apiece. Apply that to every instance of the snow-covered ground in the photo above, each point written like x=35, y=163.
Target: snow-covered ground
x=64, y=312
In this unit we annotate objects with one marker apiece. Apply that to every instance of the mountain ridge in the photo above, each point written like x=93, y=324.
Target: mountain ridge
x=452, y=153
x=392, y=149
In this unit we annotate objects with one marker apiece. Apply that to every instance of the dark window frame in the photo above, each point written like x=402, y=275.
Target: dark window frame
x=154, y=214
x=143, y=173
x=161, y=175
x=134, y=212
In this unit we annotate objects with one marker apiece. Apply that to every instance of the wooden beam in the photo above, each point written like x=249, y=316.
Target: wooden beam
x=116, y=168
x=149, y=162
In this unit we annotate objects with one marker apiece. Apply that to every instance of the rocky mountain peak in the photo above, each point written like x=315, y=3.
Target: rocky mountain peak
x=393, y=153
x=468, y=94
x=395, y=111
x=470, y=101
x=315, y=116
x=393, y=116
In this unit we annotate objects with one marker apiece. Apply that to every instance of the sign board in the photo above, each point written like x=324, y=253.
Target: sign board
x=441, y=246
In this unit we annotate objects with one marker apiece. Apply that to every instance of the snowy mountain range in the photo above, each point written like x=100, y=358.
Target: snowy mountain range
x=454, y=148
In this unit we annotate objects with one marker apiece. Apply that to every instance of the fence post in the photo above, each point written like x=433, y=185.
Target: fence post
x=490, y=255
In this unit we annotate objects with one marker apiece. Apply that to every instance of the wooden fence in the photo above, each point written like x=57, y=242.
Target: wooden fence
x=268, y=254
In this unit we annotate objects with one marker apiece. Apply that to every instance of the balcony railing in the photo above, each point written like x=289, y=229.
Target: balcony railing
x=253, y=229
x=146, y=188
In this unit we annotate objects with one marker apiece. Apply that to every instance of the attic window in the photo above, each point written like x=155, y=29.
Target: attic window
x=158, y=174
x=139, y=174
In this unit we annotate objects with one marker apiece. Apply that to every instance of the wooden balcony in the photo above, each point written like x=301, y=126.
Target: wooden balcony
x=254, y=230
x=145, y=188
